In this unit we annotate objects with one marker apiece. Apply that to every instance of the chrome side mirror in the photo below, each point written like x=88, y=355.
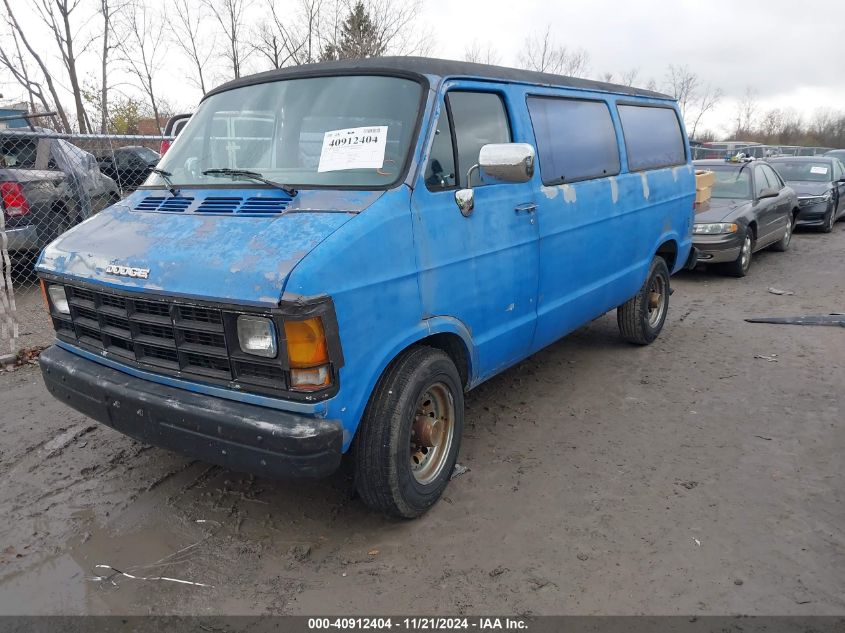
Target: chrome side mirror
x=506, y=162
x=465, y=199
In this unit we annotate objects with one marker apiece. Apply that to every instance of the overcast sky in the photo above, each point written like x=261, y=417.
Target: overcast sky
x=791, y=54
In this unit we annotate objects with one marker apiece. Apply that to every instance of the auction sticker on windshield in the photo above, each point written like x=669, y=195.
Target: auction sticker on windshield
x=818, y=169
x=353, y=148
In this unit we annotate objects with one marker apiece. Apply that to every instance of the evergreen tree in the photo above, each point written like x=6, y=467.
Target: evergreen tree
x=359, y=37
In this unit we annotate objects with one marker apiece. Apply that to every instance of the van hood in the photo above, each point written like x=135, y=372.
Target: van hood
x=240, y=258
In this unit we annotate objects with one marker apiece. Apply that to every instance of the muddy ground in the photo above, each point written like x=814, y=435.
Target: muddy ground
x=687, y=477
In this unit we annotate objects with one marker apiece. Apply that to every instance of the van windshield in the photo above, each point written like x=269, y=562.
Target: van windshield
x=351, y=130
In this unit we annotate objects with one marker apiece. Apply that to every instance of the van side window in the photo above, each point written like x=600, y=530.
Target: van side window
x=440, y=170
x=479, y=118
x=653, y=137
x=575, y=139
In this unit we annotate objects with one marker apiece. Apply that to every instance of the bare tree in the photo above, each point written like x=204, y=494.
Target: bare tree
x=109, y=11
x=607, y=77
x=481, y=54
x=185, y=31
x=230, y=16
x=16, y=28
x=629, y=77
x=682, y=84
x=707, y=101
x=397, y=26
x=746, y=111
x=543, y=54
x=12, y=60
x=56, y=14
x=141, y=48
x=289, y=38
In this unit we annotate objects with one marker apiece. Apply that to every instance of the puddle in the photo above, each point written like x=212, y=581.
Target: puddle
x=66, y=583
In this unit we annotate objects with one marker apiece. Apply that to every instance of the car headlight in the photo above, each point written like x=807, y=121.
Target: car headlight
x=58, y=298
x=811, y=200
x=715, y=228
x=257, y=336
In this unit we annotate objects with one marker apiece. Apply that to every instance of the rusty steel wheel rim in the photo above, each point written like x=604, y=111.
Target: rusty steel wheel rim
x=432, y=433
x=656, y=300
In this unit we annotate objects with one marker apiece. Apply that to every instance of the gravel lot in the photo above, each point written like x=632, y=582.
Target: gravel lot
x=689, y=477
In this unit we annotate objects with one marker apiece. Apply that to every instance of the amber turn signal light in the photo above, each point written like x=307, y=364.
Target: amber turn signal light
x=306, y=342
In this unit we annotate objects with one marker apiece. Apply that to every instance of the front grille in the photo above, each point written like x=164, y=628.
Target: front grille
x=166, y=336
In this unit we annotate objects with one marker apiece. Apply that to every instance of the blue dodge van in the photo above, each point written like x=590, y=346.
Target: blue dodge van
x=329, y=256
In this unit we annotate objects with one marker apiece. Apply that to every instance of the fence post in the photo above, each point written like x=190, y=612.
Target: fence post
x=8, y=316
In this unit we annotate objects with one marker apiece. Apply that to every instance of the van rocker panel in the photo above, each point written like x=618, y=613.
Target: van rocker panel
x=235, y=435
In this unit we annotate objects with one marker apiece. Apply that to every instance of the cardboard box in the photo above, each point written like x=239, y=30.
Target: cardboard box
x=704, y=179
x=703, y=195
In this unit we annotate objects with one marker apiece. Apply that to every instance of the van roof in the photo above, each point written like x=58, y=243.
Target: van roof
x=420, y=66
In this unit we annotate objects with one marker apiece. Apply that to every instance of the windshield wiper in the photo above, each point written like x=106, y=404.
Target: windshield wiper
x=165, y=176
x=250, y=175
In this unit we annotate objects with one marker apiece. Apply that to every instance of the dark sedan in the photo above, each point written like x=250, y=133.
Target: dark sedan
x=819, y=182
x=129, y=166
x=751, y=208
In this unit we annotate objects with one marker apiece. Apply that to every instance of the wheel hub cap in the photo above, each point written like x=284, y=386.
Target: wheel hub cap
x=432, y=433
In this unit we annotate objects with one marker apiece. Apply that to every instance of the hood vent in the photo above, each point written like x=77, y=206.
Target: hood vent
x=175, y=204
x=227, y=205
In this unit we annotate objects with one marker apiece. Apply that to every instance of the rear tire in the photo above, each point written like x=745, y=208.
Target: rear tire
x=782, y=245
x=641, y=318
x=740, y=266
x=408, y=440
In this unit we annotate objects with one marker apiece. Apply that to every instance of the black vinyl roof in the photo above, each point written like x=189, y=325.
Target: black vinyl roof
x=440, y=67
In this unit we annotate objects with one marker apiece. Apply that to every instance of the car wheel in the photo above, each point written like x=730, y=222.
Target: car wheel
x=783, y=243
x=641, y=318
x=829, y=220
x=408, y=440
x=739, y=267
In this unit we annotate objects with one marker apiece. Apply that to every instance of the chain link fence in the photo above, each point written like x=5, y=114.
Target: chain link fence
x=50, y=182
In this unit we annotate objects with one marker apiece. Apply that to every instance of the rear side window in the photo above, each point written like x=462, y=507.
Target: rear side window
x=479, y=118
x=575, y=139
x=653, y=137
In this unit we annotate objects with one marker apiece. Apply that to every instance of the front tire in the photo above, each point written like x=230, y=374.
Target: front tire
x=641, y=318
x=408, y=440
x=829, y=220
x=739, y=267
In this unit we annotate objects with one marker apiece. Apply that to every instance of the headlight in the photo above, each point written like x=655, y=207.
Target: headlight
x=809, y=201
x=257, y=336
x=58, y=298
x=715, y=228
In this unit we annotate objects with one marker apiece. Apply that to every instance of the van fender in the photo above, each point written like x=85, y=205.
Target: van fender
x=351, y=413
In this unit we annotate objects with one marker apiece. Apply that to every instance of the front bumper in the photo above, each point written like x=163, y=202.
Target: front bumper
x=22, y=239
x=235, y=435
x=814, y=214
x=717, y=249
